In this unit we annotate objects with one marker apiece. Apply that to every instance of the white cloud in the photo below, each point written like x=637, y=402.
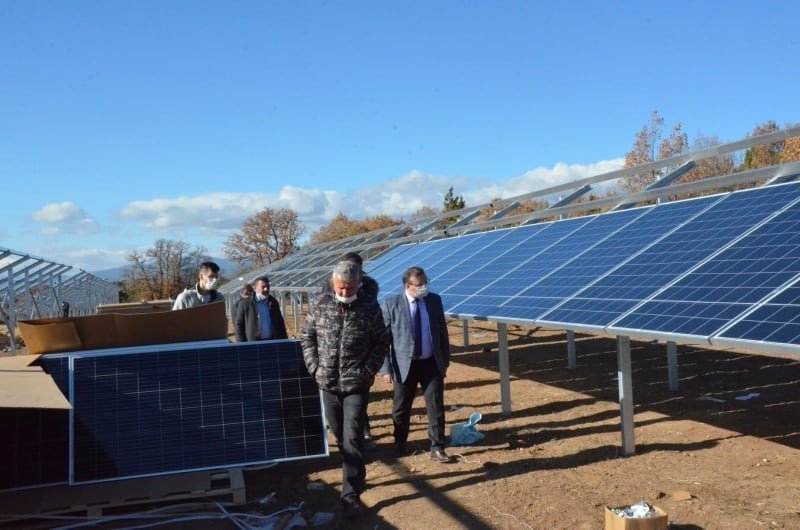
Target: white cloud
x=221, y=212
x=89, y=259
x=64, y=217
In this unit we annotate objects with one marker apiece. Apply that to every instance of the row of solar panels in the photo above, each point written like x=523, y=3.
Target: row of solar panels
x=721, y=268
x=154, y=410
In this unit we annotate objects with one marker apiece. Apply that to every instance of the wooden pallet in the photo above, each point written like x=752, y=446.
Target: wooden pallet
x=94, y=499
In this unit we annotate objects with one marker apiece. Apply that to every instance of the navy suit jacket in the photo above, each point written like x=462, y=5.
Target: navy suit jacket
x=397, y=316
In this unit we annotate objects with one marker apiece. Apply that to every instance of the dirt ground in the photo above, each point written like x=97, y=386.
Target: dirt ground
x=555, y=462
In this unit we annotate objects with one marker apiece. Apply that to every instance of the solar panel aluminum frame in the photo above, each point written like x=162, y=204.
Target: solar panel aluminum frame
x=172, y=347
x=789, y=351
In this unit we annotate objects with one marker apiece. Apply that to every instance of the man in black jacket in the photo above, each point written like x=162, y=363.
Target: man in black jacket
x=259, y=317
x=344, y=344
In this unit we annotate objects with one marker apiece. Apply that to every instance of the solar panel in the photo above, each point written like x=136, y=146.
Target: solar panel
x=199, y=407
x=530, y=302
x=427, y=256
x=372, y=266
x=522, y=269
x=657, y=265
x=777, y=321
x=728, y=284
x=603, y=257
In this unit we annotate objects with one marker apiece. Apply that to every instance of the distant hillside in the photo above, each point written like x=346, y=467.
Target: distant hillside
x=229, y=268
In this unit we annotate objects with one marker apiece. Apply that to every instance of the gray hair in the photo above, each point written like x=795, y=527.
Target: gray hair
x=347, y=271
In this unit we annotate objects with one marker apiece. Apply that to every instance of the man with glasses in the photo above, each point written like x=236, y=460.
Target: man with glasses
x=419, y=356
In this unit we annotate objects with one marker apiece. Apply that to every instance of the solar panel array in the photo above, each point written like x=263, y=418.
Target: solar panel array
x=684, y=269
x=175, y=408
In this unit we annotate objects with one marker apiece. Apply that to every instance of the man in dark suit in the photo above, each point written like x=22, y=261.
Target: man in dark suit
x=259, y=317
x=420, y=355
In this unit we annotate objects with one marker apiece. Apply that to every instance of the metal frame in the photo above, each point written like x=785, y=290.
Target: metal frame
x=30, y=284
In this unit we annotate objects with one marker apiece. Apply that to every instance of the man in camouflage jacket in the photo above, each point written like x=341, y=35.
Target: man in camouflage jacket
x=345, y=342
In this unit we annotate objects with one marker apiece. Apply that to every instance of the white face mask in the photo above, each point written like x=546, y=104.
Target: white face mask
x=261, y=297
x=346, y=300
x=210, y=285
x=422, y=291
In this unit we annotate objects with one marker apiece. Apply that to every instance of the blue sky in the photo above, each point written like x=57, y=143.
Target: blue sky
x=125, y=122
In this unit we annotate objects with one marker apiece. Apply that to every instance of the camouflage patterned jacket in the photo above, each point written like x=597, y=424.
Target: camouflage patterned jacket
x=344, y=345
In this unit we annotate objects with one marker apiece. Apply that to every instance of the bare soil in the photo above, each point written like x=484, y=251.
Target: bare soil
x=555, y=462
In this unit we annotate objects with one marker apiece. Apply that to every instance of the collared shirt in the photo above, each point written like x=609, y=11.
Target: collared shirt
x=266, y=322
x=427, y=342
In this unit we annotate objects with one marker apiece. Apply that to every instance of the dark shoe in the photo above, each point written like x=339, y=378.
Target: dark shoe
x=352, y=508
x=369, y=445
x=402, y=449
x=438, y=455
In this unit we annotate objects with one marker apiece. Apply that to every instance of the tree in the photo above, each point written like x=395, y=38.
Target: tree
x=709, y=167
x=766, y=154
x=423, y=213
x=649, y=143
x=451, y=203
x=265, y=237
x=341, y=227
x=162, y=271
x=791, y=150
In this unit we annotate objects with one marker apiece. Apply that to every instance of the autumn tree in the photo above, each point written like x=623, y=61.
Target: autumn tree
x=717, y=166
x=163, y=270
x=650, y=145
x=791, y=150
x=766, y=154
x=342, y=226
x=265, y=237
x=423, y=213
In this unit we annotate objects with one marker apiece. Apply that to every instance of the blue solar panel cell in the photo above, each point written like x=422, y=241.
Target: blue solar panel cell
x=777, y=321
x=520, y=269
x=656, y=266
x=728, y=284
x=535, y=299
x=168, y=411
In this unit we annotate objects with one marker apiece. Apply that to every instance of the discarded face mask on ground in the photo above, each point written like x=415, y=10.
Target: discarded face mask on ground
x=643, y=510
x=467, y=433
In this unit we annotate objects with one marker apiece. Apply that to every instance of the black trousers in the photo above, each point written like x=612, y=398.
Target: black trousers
x=424, y=373
x=345, y=415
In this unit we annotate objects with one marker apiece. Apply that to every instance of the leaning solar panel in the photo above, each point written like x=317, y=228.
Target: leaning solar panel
x=775, y=322
x=523, y=268
x=657, y=265
x=200, y=407
x=393, y=270
x=602, y=257
x=727, y=285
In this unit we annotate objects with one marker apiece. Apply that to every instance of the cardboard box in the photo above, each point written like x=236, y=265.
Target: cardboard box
x=53, y=335
x=615, y=522
x=152, y=306
x=34, y=422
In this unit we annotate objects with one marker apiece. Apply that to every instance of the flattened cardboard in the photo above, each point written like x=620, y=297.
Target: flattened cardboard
x=615, y=522
x=25, y=386
x=151, y=306
x=49, y=335
x=205, y=322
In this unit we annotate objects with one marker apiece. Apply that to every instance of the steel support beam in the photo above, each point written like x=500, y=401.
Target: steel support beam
x=625, y=383
x=505, y=370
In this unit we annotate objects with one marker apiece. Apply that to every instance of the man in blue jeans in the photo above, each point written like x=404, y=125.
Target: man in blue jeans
x=345, y=342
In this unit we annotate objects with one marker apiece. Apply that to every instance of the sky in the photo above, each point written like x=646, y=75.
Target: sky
x=125, y=122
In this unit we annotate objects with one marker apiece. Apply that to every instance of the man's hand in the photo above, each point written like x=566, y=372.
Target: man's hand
x=387, y=378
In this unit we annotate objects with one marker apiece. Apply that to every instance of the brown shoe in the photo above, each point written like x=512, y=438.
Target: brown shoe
x=438, y=455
